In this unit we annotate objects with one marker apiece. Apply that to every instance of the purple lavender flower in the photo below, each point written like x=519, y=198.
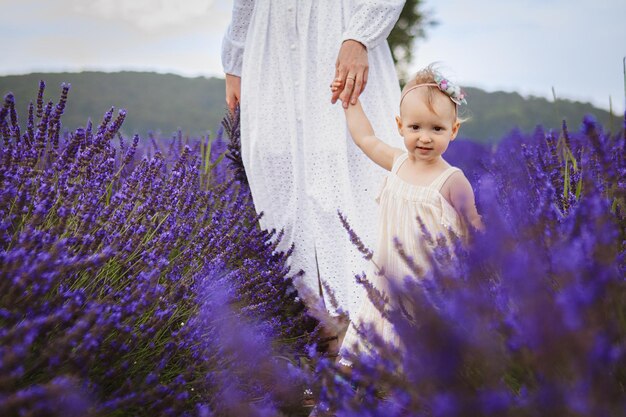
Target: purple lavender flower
x=526, y=320
x=101, y=260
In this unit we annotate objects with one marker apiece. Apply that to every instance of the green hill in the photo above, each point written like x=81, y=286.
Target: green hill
x=162, y=103
x=492, y=115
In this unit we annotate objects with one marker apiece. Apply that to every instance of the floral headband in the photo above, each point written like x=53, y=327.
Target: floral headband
x=446, y=86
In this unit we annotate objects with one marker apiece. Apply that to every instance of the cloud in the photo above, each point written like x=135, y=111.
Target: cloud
x=148, y=15
x=55, y=36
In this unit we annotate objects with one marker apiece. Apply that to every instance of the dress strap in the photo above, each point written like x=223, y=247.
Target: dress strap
x=442, y=178
x=398, y=163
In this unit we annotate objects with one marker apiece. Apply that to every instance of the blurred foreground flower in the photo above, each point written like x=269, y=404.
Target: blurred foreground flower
x=131, y=287
x=531, y=319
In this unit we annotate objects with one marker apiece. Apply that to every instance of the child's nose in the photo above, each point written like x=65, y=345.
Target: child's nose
x=424, y=137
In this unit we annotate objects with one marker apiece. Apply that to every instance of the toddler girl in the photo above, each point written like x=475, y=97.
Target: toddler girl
x=421, y=184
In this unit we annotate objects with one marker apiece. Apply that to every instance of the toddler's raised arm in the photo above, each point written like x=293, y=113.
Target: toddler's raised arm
x=363, y=135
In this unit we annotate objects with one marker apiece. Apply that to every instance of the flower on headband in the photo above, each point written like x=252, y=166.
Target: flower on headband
x=452, y=90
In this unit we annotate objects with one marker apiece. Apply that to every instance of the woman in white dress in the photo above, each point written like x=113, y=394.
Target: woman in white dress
x=280, y=57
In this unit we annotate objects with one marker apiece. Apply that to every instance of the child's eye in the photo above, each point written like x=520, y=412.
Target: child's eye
x=414, y=127
x=439, y=129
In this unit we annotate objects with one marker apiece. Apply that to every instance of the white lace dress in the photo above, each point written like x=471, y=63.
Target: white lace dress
x=301, y=164
x=401, y=204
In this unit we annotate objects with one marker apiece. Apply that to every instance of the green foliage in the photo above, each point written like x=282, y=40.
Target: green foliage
x=411, y=25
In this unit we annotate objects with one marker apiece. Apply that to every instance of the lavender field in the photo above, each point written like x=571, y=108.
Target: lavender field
x=135, y=282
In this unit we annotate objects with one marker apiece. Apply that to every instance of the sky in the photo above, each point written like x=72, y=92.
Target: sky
x=575, y=47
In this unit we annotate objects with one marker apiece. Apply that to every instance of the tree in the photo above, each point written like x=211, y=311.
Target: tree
x=411, y=25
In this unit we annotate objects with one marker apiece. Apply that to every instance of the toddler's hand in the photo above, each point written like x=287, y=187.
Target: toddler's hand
x=336, y=85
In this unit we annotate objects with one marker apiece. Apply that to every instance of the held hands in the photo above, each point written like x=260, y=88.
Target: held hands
x=336, y=87
x=349, y=107
x=351, y=72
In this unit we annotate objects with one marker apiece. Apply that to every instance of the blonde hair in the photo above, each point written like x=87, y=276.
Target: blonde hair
x=427, y=76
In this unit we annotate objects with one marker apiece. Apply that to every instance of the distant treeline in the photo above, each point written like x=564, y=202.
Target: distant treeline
x=164, y=103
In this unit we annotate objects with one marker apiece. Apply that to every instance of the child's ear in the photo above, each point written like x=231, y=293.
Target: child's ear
x=455, y=129
x=399, y=123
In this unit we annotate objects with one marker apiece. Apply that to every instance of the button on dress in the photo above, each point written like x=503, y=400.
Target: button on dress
x=301, y=164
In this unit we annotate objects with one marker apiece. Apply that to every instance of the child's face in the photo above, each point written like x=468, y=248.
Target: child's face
x=426, y=133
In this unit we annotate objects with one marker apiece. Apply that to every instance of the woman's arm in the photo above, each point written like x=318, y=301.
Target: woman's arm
x=233, y=91
x=363, y=135
x=232, y=49
x=352, y=66
x=370, y=23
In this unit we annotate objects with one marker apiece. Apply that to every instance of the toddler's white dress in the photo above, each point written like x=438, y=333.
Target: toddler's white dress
x=400, y=204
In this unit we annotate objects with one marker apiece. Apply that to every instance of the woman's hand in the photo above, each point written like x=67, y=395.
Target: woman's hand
x=233, y=91
x=351, y=70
